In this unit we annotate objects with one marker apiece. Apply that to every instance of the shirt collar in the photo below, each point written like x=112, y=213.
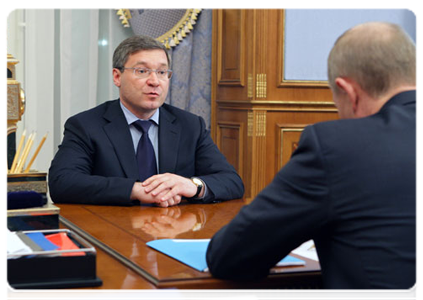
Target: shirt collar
x=131, y=118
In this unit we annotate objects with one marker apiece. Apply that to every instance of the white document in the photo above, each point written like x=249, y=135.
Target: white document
x=308, y=250
x=15, y=245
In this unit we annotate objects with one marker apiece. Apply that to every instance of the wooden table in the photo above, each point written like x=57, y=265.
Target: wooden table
x=124, y=261
x=115, y=275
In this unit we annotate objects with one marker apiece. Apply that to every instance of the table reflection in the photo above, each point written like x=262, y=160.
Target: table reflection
x=168, y=222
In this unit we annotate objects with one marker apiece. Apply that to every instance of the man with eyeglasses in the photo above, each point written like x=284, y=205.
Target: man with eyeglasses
x=137, y=149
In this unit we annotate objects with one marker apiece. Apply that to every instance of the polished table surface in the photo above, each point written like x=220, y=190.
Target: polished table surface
x=124, y=261
x=116, y=275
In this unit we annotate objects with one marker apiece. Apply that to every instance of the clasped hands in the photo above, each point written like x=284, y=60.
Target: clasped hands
x=164, y=190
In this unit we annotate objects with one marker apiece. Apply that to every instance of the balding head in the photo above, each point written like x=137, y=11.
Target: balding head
x=380, y=57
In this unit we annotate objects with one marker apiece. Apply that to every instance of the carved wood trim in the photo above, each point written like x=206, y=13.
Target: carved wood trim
x=221, y=64
x=258, y=180
x=279, y=105
x=239, y=127
x=283, y=136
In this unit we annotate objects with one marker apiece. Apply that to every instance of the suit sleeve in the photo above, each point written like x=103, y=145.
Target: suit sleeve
x=222, y=180
x=71, y=178
x=283, y=216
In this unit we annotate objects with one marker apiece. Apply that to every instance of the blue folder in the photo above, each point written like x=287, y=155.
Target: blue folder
x=193, y=252
x=41, y=241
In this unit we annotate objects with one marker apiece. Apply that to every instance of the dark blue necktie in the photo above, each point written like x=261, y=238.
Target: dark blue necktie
x=145, y=152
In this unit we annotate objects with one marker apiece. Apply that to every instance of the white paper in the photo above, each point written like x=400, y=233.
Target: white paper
x=308, y=250
x=15, y=245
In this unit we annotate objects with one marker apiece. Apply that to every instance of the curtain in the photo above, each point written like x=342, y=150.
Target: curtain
x=59, y=66
x=191, y=64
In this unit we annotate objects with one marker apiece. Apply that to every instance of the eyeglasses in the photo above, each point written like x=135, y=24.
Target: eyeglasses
x=162, y=74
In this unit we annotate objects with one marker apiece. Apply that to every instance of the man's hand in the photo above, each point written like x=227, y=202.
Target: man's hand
x=139, y=193
x=168, y=186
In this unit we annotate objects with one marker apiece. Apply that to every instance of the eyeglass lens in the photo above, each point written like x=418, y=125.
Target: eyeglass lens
x=145, y=72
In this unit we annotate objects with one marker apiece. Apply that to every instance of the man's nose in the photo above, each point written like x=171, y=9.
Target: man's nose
x=152, y=79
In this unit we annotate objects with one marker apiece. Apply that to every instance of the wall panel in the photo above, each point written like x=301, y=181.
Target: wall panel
x=257, y=117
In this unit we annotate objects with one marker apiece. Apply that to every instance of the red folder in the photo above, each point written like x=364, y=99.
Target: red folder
x=64, y=243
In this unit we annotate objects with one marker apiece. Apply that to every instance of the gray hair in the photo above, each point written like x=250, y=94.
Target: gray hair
x=135, y=44
x=378, y=56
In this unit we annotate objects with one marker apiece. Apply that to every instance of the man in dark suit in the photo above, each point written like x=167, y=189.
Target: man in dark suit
x=100, y=162
x=350, y=185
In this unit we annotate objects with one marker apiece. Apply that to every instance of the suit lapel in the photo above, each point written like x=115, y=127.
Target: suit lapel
x=169, y=134
x=118, y=132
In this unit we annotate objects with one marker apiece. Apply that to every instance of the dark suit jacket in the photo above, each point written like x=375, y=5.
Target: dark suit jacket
x=96, y=161
x=350, y=186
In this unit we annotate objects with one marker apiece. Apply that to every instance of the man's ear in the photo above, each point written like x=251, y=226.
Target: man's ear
x=116, y=76
x=348, y=87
